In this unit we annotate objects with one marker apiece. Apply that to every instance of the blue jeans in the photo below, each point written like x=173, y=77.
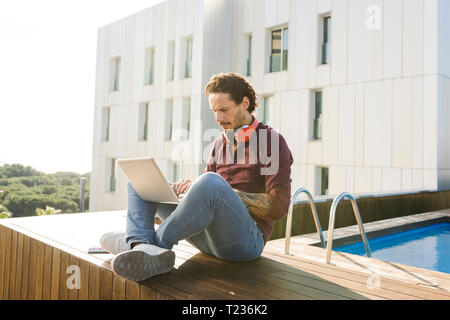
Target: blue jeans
x=211, y=217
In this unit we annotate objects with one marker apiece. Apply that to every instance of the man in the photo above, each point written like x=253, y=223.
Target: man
x=230, y=210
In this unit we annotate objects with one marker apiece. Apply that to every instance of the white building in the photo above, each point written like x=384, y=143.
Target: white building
x=359, y=89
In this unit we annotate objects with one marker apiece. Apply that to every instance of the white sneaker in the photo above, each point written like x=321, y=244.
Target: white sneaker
x=114, y=242
x=143, y=262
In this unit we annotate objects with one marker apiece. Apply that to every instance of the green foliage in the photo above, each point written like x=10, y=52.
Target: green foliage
x=4, y=212
x=25, y=190
x=48, y=211
x=18, y=170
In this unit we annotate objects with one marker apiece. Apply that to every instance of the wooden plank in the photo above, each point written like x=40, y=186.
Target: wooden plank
x=106, y=284
x=147, y=293
x=390, y=284
x=83, y=293
x=177, y=294
x=118, y=288
x=25, y=268
x=279, y=289
x=162, y=296
x=132, y=290
x=13, y=264
x=40, y=267
x=55, y=275
x=63, y=276
x=94, y=282
x=3, y=268
x=46, y=283
x=32, y=270
x=312, y=277
x=18, y=267
x=73, y=293
x=222, y=274
x=387, y=270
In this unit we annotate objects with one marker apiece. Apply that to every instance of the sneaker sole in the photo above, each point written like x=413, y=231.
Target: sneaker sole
x=138, y=265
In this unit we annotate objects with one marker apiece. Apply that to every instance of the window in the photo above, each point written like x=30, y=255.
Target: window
x=249, y=57
x=187, y=117
x=149, y=66
x=115, y=74
x=326, y=40
x=106, y=118
x=317, y=124
x=171, y=61
x=269, y=110
x=169, y=120
x=188, y=63
x=321, y=180
x=143, y=122
x=112, y=176
x=279, y=55
x=177, y=171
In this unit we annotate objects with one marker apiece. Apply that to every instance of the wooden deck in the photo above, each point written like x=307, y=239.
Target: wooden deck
x=36, y=252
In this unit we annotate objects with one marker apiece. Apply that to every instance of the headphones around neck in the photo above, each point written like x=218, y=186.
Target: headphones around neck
x=243, y=133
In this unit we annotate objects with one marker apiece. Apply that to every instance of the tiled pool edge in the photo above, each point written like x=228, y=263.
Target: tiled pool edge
x=351, y=234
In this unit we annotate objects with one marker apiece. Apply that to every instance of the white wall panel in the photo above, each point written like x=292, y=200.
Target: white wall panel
x=283, y=9
x=360, y=42
x=418, y=122
x=402, y=123
x=359, y=124
x=339, y=35
x=377, y=179
x=431, y=33
x=392, y=179
x=346, y=125
x=392, y=32
x=324, y=6
x=406, y=179
x=378, y=124
x=430, y=179
x=270, y=11
x=430, y=120
x=363, y=180
x=330, y=109
x=300, y=34
x=413, y=37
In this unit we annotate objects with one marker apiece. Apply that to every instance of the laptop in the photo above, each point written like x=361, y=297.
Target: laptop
x=148, y=180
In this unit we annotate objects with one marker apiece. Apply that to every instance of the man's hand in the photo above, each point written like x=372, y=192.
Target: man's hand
x=181, y=186
x=258, y=204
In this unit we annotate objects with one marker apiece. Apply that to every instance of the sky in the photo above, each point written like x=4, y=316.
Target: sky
x=47, y=79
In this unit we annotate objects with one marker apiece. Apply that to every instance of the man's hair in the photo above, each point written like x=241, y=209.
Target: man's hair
x=236, y=86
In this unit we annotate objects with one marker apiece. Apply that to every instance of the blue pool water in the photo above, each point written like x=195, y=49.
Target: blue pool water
x=426, y=247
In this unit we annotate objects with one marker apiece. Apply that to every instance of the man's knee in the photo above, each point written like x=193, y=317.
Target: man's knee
x=209, y=180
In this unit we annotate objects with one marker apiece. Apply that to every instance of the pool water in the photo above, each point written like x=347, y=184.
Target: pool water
x=425, y=247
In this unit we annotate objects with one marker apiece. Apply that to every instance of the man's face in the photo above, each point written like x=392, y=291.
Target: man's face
x=228, y=114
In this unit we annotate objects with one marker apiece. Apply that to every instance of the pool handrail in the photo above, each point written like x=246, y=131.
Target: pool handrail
x=331, y=224
x=289, y=219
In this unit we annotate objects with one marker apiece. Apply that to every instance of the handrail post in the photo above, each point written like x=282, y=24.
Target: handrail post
x=331, y=224
x=289, y=219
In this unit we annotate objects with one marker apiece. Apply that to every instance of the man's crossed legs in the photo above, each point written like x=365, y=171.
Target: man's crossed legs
x=211, y=217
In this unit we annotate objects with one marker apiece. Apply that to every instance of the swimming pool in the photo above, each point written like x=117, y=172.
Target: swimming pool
x=425, y=247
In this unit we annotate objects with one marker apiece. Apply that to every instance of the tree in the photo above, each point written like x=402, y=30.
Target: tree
x=48, y=211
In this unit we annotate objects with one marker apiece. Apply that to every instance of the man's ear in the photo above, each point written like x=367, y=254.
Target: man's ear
x=245, y=103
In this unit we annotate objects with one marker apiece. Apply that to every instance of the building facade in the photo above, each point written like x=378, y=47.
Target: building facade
x=358, y=88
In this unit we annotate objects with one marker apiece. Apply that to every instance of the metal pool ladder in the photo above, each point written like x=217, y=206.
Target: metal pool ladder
x=289, y=219
x=331, y=224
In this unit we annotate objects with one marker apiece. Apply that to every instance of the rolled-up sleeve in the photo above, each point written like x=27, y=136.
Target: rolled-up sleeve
x=278, y=185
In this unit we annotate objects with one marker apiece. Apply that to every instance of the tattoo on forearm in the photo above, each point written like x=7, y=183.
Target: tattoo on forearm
x=258, y=204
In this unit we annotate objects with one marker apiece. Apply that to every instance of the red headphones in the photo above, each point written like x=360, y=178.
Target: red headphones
x=243, y=133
